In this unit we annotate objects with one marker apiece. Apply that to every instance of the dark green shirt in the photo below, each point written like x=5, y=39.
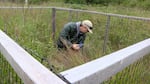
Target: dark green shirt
x=70, y=35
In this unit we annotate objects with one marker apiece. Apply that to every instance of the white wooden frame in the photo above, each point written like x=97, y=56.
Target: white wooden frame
x=96, y=71
x=27, y=68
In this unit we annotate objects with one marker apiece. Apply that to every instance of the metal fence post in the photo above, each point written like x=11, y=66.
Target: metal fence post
x=77, y=15
x=53, y=23
x=106, y=34
x=26, y=2
x=23, y=17
x=70, y=15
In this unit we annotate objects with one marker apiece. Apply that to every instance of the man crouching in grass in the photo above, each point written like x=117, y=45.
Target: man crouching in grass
x=73, y=35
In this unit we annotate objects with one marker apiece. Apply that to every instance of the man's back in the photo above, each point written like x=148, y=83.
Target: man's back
x=70, y=34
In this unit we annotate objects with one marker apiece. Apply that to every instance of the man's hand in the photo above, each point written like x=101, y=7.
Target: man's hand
x=75, y=46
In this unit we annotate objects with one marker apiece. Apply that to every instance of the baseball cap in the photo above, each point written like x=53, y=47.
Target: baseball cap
x=88, y=25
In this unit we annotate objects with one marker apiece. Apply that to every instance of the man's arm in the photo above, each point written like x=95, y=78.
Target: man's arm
x=81, y=42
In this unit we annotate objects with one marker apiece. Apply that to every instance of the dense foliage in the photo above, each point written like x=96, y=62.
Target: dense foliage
x=145, y=4
x=132, y=3
x=29, y=1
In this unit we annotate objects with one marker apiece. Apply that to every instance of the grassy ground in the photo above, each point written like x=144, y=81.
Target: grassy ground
x=7, y=74
x=137, y=73
x=32, y=29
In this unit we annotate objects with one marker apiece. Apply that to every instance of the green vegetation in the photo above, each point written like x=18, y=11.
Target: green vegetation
x=144, y=4
x=137, y=73
x=32, y=29
x=7, y=74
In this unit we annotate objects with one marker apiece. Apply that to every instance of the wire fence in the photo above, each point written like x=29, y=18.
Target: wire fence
x=36, y=28
x=7, y=74
x=136, y=73
x=101, y=69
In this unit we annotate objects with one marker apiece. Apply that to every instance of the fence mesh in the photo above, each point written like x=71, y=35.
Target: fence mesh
x=32, y=29
x=137, y=73
x=7, y=73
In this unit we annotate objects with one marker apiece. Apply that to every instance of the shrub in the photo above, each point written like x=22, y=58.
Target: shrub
x=146, y=4
x=104, y=2
x=33, y=1
x=75, y=1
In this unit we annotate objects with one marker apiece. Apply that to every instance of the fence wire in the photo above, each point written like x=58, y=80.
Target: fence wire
x=7, y=73
x=137, y=73
x=32, y=29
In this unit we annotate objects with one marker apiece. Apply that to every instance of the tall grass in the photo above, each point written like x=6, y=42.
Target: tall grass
x=136, y=73
x=32, y=29
x=7, y=73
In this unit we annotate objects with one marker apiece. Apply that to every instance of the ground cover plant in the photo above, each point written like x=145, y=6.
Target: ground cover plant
x=32, y=29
